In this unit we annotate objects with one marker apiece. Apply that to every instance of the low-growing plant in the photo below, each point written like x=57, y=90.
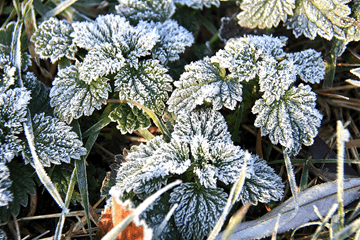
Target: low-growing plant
x=124, y=61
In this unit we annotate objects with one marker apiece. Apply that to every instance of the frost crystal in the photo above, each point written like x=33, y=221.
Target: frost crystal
x=264, y=13
x=136, y=10
x=198, y=4
x=292, y=120
x=72, y=97
x=8, y=78
x=55, y=141
x=52, y=40
x=13, y=110
x=5, y=183
x=203, y=82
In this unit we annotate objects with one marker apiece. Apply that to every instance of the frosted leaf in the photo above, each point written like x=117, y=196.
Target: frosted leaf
x=309, y=65
x=130, y=175
x=326, y=18
x=5, y=195
x=207, y=123
x=173, y=40
x=205, y=82
x=52, y=40
x=101, y=61
x=263, y=184
x=275, y=78
x=264, y=13
x=129, y=119
x=8, y=78
x=198, y=4
x=72, y=97
x=242, y=56
x=291, y=121
x=103, y=30
x=13, y=110
x=136, y=10
x=148, y=85
x=199, y=209
x=55, y=141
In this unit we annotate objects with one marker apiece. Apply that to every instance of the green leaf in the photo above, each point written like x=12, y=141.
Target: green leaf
x=291, y=121
x=55, y=141
x=5, y=183
x=5, y=47
x=147, y=85
x=205, y=82
x=72, y=97
x=61, y=176
x=325, y=18
x=52, y=40
x=22, y=185
x=199, y=209
x=198, y=4
x=264, y=13
x=137, y=10
x=129, y=118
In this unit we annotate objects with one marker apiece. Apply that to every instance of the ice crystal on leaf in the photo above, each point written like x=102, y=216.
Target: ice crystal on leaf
x=203, y=82
x=264, y=13
x=147, y=85
x=52, y=40
x=13, y=110
x=72, y=97
x=198, y=4
x=8, y=78
x=327, y=18
x=5, y=183
x=129, y=118
x=55, y=141
x=292, y=120
x=136, y=10
x=199, y=209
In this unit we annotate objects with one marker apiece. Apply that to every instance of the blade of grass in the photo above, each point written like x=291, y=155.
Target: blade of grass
x=348, y=230
x=121, y=226
x=80, y=166
x=165, y=221
x=342, y=136
x=236, y=220
x=304, y=177
x=103, y=122
x=325, y=220
x=58, y=9
x=292, y=181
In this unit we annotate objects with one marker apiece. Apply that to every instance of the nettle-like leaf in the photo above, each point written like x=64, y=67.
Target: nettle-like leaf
x=292, y=120
x=52, y=40
x=129, y=118
x=5, y=195
x=72, y=97
x=173, y=40
x=205, y=82
x=326, y=18
x=5, y=47
x=264, y=13
x=309, y=65
x=147, y=85
x=262, y=185
x=13, y=110
x=55, y=141
x=7, y=78
x=199, y=209
x=137, y=10
x=22, y=185
x=198, y=4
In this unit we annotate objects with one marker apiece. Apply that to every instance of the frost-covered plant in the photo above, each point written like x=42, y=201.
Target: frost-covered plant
x=128, y=57
x=326, y=18
x=27, y=127
x=202, y=154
